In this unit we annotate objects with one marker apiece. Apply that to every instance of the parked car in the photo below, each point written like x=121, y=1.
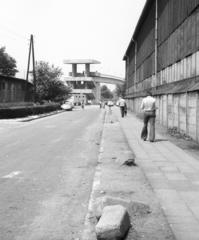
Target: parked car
x=67, y=105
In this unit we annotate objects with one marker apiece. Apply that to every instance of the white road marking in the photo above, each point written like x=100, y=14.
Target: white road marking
x=11, y=175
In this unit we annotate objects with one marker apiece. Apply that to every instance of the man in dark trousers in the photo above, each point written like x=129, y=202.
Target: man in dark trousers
x=122, y=104
x=149, y=107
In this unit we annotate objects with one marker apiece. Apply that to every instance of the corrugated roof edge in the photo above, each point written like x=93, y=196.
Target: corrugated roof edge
x=171, y=88
x=13, y=78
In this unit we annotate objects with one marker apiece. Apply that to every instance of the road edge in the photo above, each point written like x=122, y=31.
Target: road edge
x=87, y=232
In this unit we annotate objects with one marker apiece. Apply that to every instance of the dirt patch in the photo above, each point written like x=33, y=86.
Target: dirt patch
x=180, y=139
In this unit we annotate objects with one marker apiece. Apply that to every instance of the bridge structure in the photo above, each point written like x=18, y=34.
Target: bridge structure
x=86, y=85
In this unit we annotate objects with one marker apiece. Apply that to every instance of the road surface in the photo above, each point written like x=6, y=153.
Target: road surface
x=46, y=173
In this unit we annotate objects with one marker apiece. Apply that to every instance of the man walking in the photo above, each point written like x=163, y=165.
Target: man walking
x=148, y=105
x=122, y=104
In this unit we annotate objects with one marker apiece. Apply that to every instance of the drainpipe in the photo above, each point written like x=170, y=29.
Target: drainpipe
x=135, y=76
x=156, y=42
x=127, y=75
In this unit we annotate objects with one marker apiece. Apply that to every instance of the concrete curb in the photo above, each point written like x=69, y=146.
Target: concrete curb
x=87, y=233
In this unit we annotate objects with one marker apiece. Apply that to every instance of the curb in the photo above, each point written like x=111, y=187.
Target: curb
x=87, y=233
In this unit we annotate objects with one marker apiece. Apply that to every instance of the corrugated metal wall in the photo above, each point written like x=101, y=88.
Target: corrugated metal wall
x=145, y=51
x=131, y=67
x=178, y=37
x=178, y=59
x=178, y=30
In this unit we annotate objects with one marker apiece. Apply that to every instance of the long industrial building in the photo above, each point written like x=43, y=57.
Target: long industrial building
x=163, y=57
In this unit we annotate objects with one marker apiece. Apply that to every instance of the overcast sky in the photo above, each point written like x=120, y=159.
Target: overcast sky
x=70, y=29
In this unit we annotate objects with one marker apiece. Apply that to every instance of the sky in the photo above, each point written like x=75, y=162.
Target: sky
x=70, y=29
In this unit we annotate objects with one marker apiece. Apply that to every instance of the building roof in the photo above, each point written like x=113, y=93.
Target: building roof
x=9, y=78
x=143, y=16
x=80, y=61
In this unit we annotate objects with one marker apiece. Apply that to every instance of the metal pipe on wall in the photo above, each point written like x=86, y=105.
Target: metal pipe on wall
x=135, y=77
x=156, y=41
x=127, y=73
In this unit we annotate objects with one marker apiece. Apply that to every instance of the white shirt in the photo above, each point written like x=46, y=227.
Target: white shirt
x=148, y=103
x=122, y=102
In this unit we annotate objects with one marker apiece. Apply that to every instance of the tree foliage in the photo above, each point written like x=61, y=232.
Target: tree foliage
x=106, y=92
x=8, y=66
x=120, y=90
x=48, y=83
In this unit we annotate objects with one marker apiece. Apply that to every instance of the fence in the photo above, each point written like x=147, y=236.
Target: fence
x=175, y=110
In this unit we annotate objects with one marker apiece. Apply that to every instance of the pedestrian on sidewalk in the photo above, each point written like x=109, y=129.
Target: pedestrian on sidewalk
x=100, y=104
x=149, y=107
x=122, y=104
x=110, y=104
x=83, y=104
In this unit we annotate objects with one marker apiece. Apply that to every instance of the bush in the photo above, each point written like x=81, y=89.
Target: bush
x=19, y=112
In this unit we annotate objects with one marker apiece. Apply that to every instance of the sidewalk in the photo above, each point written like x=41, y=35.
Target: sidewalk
x=173, y=175
x=113, y=179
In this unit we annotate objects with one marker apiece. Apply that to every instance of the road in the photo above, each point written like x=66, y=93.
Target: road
x=46, y=173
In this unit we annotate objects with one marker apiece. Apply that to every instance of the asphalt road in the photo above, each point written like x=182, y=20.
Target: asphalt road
x=46, y=174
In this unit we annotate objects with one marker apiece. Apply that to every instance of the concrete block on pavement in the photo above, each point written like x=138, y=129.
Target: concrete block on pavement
x=113, y=224
x=124, y=156
x=100, y=203
x=132, y=207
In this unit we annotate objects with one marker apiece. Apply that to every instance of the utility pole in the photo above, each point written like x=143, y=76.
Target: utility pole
x=25, y=98
x=34, y=75
x=31, y=47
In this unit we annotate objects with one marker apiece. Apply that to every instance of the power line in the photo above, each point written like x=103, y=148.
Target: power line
x=14, y=39
x=14, y=25
x=8, y=30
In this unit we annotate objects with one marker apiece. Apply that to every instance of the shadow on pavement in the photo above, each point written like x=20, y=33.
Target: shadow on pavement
x=160, y=140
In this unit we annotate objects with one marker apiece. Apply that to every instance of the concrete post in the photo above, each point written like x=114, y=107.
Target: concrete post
x=87, y=69
x=86, y=85
x=74, y=70
x=98, y=92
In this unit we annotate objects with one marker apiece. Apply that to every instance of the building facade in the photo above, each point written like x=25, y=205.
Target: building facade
x=13, y=89
x=163, y=57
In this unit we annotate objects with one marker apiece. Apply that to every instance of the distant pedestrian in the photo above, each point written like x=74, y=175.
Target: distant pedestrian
x=122, y=104
x=82, y=104
x=100, y=104
x=149, y=107
x=110, y=104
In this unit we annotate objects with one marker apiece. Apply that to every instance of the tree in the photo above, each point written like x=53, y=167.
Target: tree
x=105, y=92
x=7, y=63
x=48, y=83
x=120, y=90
